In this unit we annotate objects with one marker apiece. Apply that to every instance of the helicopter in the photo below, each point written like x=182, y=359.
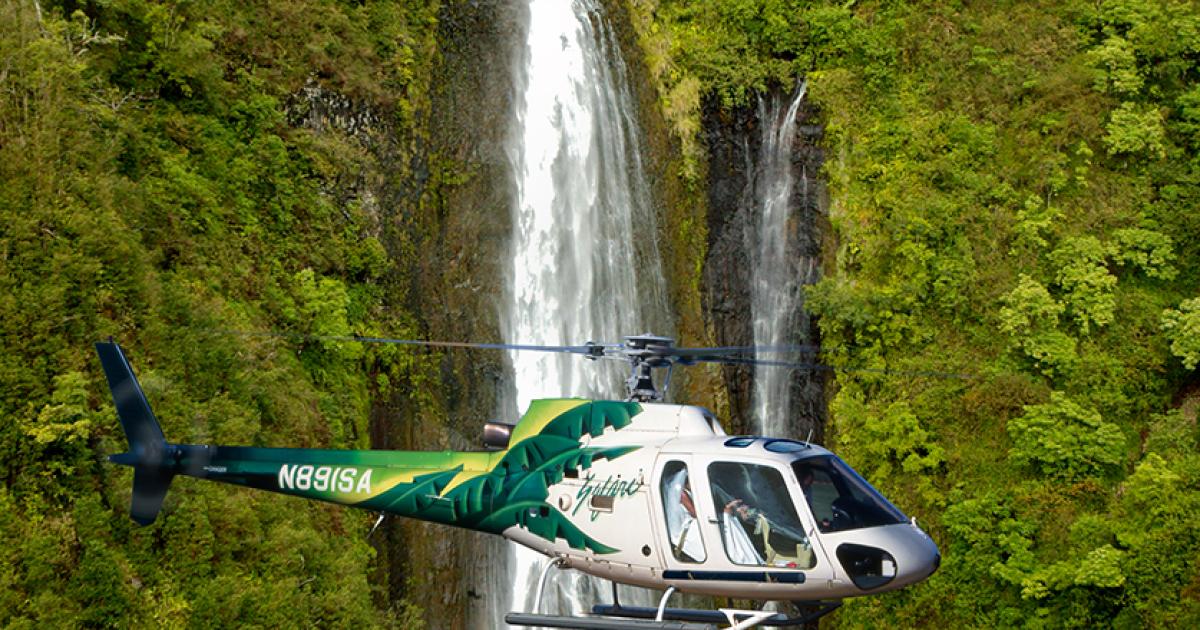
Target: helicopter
x=635, y=491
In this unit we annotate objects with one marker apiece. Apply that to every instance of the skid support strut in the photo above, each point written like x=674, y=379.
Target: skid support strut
x=537, y=600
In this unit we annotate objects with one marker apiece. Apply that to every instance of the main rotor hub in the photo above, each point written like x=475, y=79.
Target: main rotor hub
x=645, y=353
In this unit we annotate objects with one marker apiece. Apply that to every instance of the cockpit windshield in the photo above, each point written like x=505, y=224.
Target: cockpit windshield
x=840, y=499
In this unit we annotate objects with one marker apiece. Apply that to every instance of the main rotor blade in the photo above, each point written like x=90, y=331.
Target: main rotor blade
x=722, y=355
x=727, y=350
x=593, y=349
x=463, y=344
x=821, y=367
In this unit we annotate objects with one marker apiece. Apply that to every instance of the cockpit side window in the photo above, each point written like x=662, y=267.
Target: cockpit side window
x=679, y=508
x=840, y=499
x=758, y=520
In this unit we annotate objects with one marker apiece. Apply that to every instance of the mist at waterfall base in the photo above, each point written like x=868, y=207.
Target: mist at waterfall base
x=577, y=272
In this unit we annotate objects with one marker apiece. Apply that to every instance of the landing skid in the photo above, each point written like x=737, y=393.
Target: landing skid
x=615, y=616
x=597, y=623
x=735, y=618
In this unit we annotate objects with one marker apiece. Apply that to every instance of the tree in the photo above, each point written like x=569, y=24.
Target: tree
x=1182, y=327
x=1065, y=439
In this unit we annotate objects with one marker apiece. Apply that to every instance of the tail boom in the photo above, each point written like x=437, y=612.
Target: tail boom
x=401, y=482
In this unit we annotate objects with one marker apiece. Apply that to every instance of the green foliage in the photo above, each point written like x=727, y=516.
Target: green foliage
x=1027, y=169
x=888, y=445
x=718, y=38
x=1030, y=318
x=1188, y=122
x=1174, y=435
x=1035, y=219
x=68, y=417
x=1182, y=328
x=1065, y=439
x=159, y=187
x=1115, y=63
x=1156, y=517
x=732, y=50
x=1152, y=252
x=1102, y=568
x=1136, y=130
x=1086, y=284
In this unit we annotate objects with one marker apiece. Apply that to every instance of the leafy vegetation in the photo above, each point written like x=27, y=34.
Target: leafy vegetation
x=164, y=183
x=1013, y=190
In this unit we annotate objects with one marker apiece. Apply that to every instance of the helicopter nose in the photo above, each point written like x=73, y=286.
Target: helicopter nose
x=924, y=557
x=888, y=557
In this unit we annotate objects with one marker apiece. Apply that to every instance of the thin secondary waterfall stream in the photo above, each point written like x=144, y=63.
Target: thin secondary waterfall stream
x=584, y=263
x=782, y=266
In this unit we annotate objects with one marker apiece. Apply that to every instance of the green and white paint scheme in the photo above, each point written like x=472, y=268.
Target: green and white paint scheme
x=557, y=448
x=486, y=491
x=596, y=485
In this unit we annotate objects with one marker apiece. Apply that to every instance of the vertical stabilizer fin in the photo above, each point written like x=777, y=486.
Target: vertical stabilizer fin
x=148, y=449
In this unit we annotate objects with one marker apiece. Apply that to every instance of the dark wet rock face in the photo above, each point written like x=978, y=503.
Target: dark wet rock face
x=323, y=110
x=809, y=230
x=733, y=139
x=734, y=142
x=451, y=213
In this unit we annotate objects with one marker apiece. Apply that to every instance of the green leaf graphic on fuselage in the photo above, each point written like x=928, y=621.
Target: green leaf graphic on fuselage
x=423, y=495
x=514, y=491
x=536, y=485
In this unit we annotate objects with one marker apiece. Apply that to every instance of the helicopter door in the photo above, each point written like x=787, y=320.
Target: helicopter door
x=680, y=523
x=759, y=522
x=763, y=523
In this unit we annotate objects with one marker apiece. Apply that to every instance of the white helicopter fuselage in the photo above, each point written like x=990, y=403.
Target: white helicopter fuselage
x=633, y=491
x=630, y=505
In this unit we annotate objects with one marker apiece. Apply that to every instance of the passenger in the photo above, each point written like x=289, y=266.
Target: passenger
x=751, y=538
x=759, y=525
x=738, y=521
x=683, y=528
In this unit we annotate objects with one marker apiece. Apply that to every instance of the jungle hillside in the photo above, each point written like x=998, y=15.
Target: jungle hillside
x=1010, y=277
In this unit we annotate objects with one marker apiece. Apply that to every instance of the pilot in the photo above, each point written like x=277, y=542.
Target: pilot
x=806, y=482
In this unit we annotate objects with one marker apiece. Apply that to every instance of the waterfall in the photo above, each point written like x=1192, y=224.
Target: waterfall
x=584, y=264
x=786, y=259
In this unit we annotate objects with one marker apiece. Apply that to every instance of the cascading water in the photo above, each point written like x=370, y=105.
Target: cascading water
x=785, y=261
x=584, y=262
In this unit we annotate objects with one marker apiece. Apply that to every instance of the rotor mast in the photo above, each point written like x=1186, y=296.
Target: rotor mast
x=645, y=353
